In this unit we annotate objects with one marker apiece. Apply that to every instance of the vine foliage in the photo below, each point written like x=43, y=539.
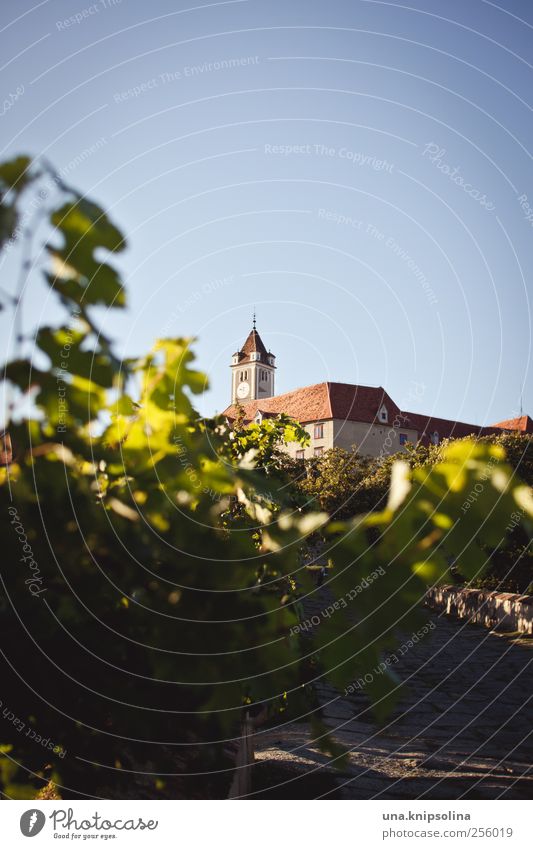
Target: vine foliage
x=152, y=576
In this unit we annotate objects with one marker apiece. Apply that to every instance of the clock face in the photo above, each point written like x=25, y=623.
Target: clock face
x=243, y=390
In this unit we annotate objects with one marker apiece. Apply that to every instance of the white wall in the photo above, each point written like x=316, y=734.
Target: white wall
x=373, y=439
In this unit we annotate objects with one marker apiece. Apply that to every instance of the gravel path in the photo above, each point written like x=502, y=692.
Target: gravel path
x=462, y=729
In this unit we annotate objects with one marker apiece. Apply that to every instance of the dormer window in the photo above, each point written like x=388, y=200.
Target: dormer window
x=271, y=361
x=259, y=418
x=383, y=415
x=435, y=437
x=255, y=356
x=235, y=359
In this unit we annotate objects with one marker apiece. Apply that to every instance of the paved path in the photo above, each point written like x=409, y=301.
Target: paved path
x=463, y=728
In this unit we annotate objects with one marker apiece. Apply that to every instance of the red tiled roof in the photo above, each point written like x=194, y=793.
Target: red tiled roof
x=324, y=401
x=446, y=428
x=522, y=423
x=349, y=402
x=305, y=404
x=354, y=403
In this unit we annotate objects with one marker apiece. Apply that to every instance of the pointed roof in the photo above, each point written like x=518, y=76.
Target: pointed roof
x=253, y=345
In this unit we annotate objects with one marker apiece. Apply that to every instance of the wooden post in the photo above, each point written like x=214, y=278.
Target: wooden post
x=242, y=780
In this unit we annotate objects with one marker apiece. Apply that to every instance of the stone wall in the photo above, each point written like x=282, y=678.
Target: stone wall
x=503, y=611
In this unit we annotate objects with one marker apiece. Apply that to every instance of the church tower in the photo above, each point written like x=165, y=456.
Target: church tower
x=252, y=370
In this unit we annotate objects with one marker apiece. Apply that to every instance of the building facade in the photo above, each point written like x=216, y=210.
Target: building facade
x=350, y=416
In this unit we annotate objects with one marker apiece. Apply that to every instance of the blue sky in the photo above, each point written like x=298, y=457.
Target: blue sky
x=359, y=171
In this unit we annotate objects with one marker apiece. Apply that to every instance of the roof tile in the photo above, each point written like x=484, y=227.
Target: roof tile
x=324, y=401
x=349, y=402
x=521, y=423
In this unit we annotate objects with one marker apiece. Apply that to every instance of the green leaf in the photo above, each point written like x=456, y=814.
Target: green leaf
x=15, y=174
x=63, y=346
x=83, y=221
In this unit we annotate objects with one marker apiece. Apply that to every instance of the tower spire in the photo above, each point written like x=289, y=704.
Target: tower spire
x=253, y=368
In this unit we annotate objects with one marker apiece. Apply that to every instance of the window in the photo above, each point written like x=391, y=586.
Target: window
x=319, y=431
x=383, y=415
x=271, y=360
x=435, y=437
x=255, y=356
x=235, y=359
x=300, y=454
x=319, y=451
x=403, y=439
